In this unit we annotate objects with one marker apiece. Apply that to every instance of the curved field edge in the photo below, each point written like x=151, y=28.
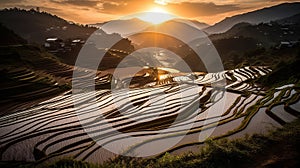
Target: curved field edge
x=277, y=148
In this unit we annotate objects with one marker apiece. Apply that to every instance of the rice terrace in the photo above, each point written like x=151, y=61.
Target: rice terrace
x=150, y=89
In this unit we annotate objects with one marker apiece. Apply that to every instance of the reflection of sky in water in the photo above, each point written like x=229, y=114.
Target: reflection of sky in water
x=155, y=57
x=30, y=128
x=167, y=58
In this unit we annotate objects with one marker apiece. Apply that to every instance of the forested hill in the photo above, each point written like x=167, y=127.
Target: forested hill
x=36, y=26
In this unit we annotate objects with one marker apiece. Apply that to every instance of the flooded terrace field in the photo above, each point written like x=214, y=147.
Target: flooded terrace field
x=179, y=111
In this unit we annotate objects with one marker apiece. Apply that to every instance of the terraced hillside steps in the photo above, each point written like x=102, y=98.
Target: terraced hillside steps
x=51, y=129
x=45, y=79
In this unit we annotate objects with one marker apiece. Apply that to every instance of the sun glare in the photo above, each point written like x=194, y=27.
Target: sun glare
x=158, y=10
x=156, y=16
x=161, y=2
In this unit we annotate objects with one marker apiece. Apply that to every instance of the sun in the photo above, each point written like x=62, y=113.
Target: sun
x=158, y=10
x=156, y=15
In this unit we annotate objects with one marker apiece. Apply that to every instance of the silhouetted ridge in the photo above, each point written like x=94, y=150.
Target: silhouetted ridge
x=36, y=26
x=258, y=16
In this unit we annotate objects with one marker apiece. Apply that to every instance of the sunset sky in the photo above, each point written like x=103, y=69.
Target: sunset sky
x=94, y=11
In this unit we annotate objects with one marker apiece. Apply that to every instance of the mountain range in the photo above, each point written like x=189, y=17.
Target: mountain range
x=264, y=15
x=267, y=34
x=133, y=25
x=37, y=26
x=242, y=33
x=255, y=17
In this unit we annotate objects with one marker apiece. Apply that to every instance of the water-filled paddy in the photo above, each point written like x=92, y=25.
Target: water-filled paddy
x=149, y=119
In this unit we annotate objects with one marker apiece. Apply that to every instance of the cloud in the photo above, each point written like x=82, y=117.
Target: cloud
x=121, y=7
x=186, y=9
x=265, y=2
x=85, y=11
x=7, y=2
x=126, y=6
x=86, y=3
x=196, y=9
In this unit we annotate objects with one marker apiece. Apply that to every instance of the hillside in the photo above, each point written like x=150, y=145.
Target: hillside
x=56, y=114
x=35, y=26
x=295, y=19
x=266, y=34
x=29, y=74
x=257, y=43
x=8, y=37
x=255, y=17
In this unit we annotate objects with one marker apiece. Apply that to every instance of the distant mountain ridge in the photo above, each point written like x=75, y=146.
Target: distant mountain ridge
x=130, y=26
x=255, y=17
x=268, y=34
x=123, y=27
x=200, y=25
